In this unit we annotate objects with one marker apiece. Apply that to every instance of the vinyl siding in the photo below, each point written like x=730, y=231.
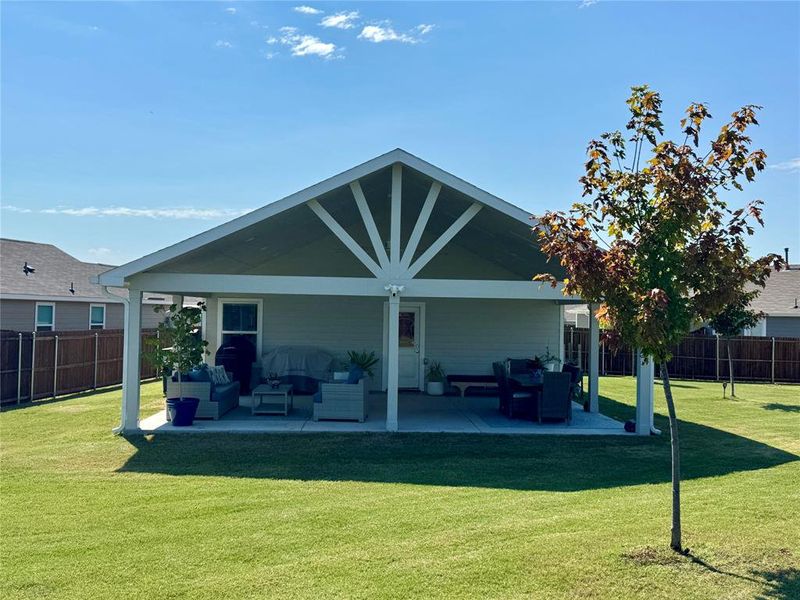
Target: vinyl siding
x=18, y=315
x=783, y=326
x=465, y=335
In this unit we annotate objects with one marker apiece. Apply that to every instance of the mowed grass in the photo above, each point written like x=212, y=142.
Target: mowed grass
x=86, y=514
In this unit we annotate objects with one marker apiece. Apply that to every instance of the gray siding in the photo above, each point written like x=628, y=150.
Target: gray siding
x=465, y=335
x=783, y=326
x=16, y=315
x=19, y=315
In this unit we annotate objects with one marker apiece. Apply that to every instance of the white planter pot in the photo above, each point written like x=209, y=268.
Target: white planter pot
x=552, y=367
x=435, y=388
x=340, y=375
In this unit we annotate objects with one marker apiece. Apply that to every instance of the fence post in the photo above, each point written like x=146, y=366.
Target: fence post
x=580, y=357
x=19, y=369
x=33, y=361
x=96, y=343
x=717, y=351
x=773, y=360
x=55, y=368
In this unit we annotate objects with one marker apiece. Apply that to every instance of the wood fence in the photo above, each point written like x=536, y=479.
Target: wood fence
x=775, y=360
x=48, y=364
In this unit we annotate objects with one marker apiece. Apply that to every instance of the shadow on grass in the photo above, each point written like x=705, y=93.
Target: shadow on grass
x=561, y=463
x=784, y=407
x=783, y=584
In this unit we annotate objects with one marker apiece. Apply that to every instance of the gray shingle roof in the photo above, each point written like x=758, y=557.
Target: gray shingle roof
x=55, y=272
x=781, y=295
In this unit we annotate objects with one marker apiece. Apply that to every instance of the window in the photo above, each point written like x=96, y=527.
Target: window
x=97, y=316
x=45, y=316
x=240, y=318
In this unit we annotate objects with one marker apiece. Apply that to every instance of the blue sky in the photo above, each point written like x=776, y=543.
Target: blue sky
x=130, y=126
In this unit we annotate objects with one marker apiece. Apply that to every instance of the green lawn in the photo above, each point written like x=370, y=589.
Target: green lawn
x=86, y=514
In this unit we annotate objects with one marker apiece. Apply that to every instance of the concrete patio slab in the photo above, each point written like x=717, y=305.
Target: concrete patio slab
x=418, y=413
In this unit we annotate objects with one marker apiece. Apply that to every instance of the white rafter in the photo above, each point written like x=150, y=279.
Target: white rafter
x=345, y=238
x=394, y=231
x=369, y=223
x=419, y=227
x=440, y=243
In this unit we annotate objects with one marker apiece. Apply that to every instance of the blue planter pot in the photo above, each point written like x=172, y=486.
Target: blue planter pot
x=181, y=411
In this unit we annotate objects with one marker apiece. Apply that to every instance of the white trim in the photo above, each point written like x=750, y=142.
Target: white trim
x=97, y=305
x=345, y=238
x=36, y=316
x=443, y=240
x=259, y=320
x=419, y=226
x=594, y=361
x=205, y=284
x=369, y=223
x=396, y=212
x=420, y=306
x=117, y=276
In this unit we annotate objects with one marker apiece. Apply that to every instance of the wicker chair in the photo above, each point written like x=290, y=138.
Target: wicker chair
x=556, y=400
x=512, y=402
x=341, y=401
x=215, y=399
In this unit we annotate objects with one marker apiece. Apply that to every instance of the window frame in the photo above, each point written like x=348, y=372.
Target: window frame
x=37, y=324
x=221, y=302
x=103, y=324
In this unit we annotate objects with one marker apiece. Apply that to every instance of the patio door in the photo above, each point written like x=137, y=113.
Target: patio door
x=411, y=351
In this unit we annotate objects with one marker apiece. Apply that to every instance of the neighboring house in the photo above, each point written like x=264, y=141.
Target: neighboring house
x=395, y=256
x=779, y=302
x=577, y=315
x=42, y=288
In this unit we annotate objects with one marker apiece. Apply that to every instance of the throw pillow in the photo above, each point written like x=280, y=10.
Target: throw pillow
x=218, y=375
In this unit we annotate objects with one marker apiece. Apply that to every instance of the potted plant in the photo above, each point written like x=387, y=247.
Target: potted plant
x=436, y=378
x=537, y=368
x=550, y=361
x=363, y=361
x=341, y=368
x=181, y=327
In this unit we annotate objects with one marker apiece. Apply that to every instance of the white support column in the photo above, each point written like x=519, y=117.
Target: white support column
x=594, y=361
x=131, y=372
x=562, y=355
x=393, y=358
x=394, y=229
x=645, y=376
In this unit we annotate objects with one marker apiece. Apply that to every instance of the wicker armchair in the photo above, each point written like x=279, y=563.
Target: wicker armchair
x=341, y=401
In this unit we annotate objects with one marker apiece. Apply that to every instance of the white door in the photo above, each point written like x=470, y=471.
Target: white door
x=410, y=360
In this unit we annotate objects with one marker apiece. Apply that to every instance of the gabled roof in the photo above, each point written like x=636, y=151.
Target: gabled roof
x=781, y=295
x=55, y=272
x=117, y=276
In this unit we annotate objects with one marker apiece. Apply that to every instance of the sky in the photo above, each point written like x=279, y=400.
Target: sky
x=127, y=127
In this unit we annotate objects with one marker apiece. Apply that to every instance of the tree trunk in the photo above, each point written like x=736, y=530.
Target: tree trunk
x=675, y=542
x=730, y=369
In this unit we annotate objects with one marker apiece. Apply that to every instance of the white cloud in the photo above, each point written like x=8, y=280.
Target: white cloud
x=270, y=55
x=99, y=252
x=424, y=28
x=789, y=165
x=342, y=20
x=223, y=44
x=230, y=11
x=587, y=3
x=151, y=213
x=272, y=40
x=305, y=45
x=307, y=10
x=385, y=33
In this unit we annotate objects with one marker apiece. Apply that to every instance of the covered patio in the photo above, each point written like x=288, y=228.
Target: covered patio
x=417, y=413
x=394, y=256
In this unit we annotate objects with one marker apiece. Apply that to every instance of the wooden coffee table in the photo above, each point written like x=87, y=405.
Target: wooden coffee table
x=269, y=406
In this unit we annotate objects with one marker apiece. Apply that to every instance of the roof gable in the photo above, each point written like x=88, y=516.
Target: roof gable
x=116, y=276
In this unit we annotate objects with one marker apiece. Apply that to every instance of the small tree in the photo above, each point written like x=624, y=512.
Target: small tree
x=178, y=344
x=676, y=253
x=734, y=318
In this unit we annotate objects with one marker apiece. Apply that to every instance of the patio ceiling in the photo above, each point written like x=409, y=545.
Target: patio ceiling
x=493, y=245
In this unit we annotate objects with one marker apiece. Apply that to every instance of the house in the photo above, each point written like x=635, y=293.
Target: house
x=394, y=255
x=779, y=303
x=42, y=288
